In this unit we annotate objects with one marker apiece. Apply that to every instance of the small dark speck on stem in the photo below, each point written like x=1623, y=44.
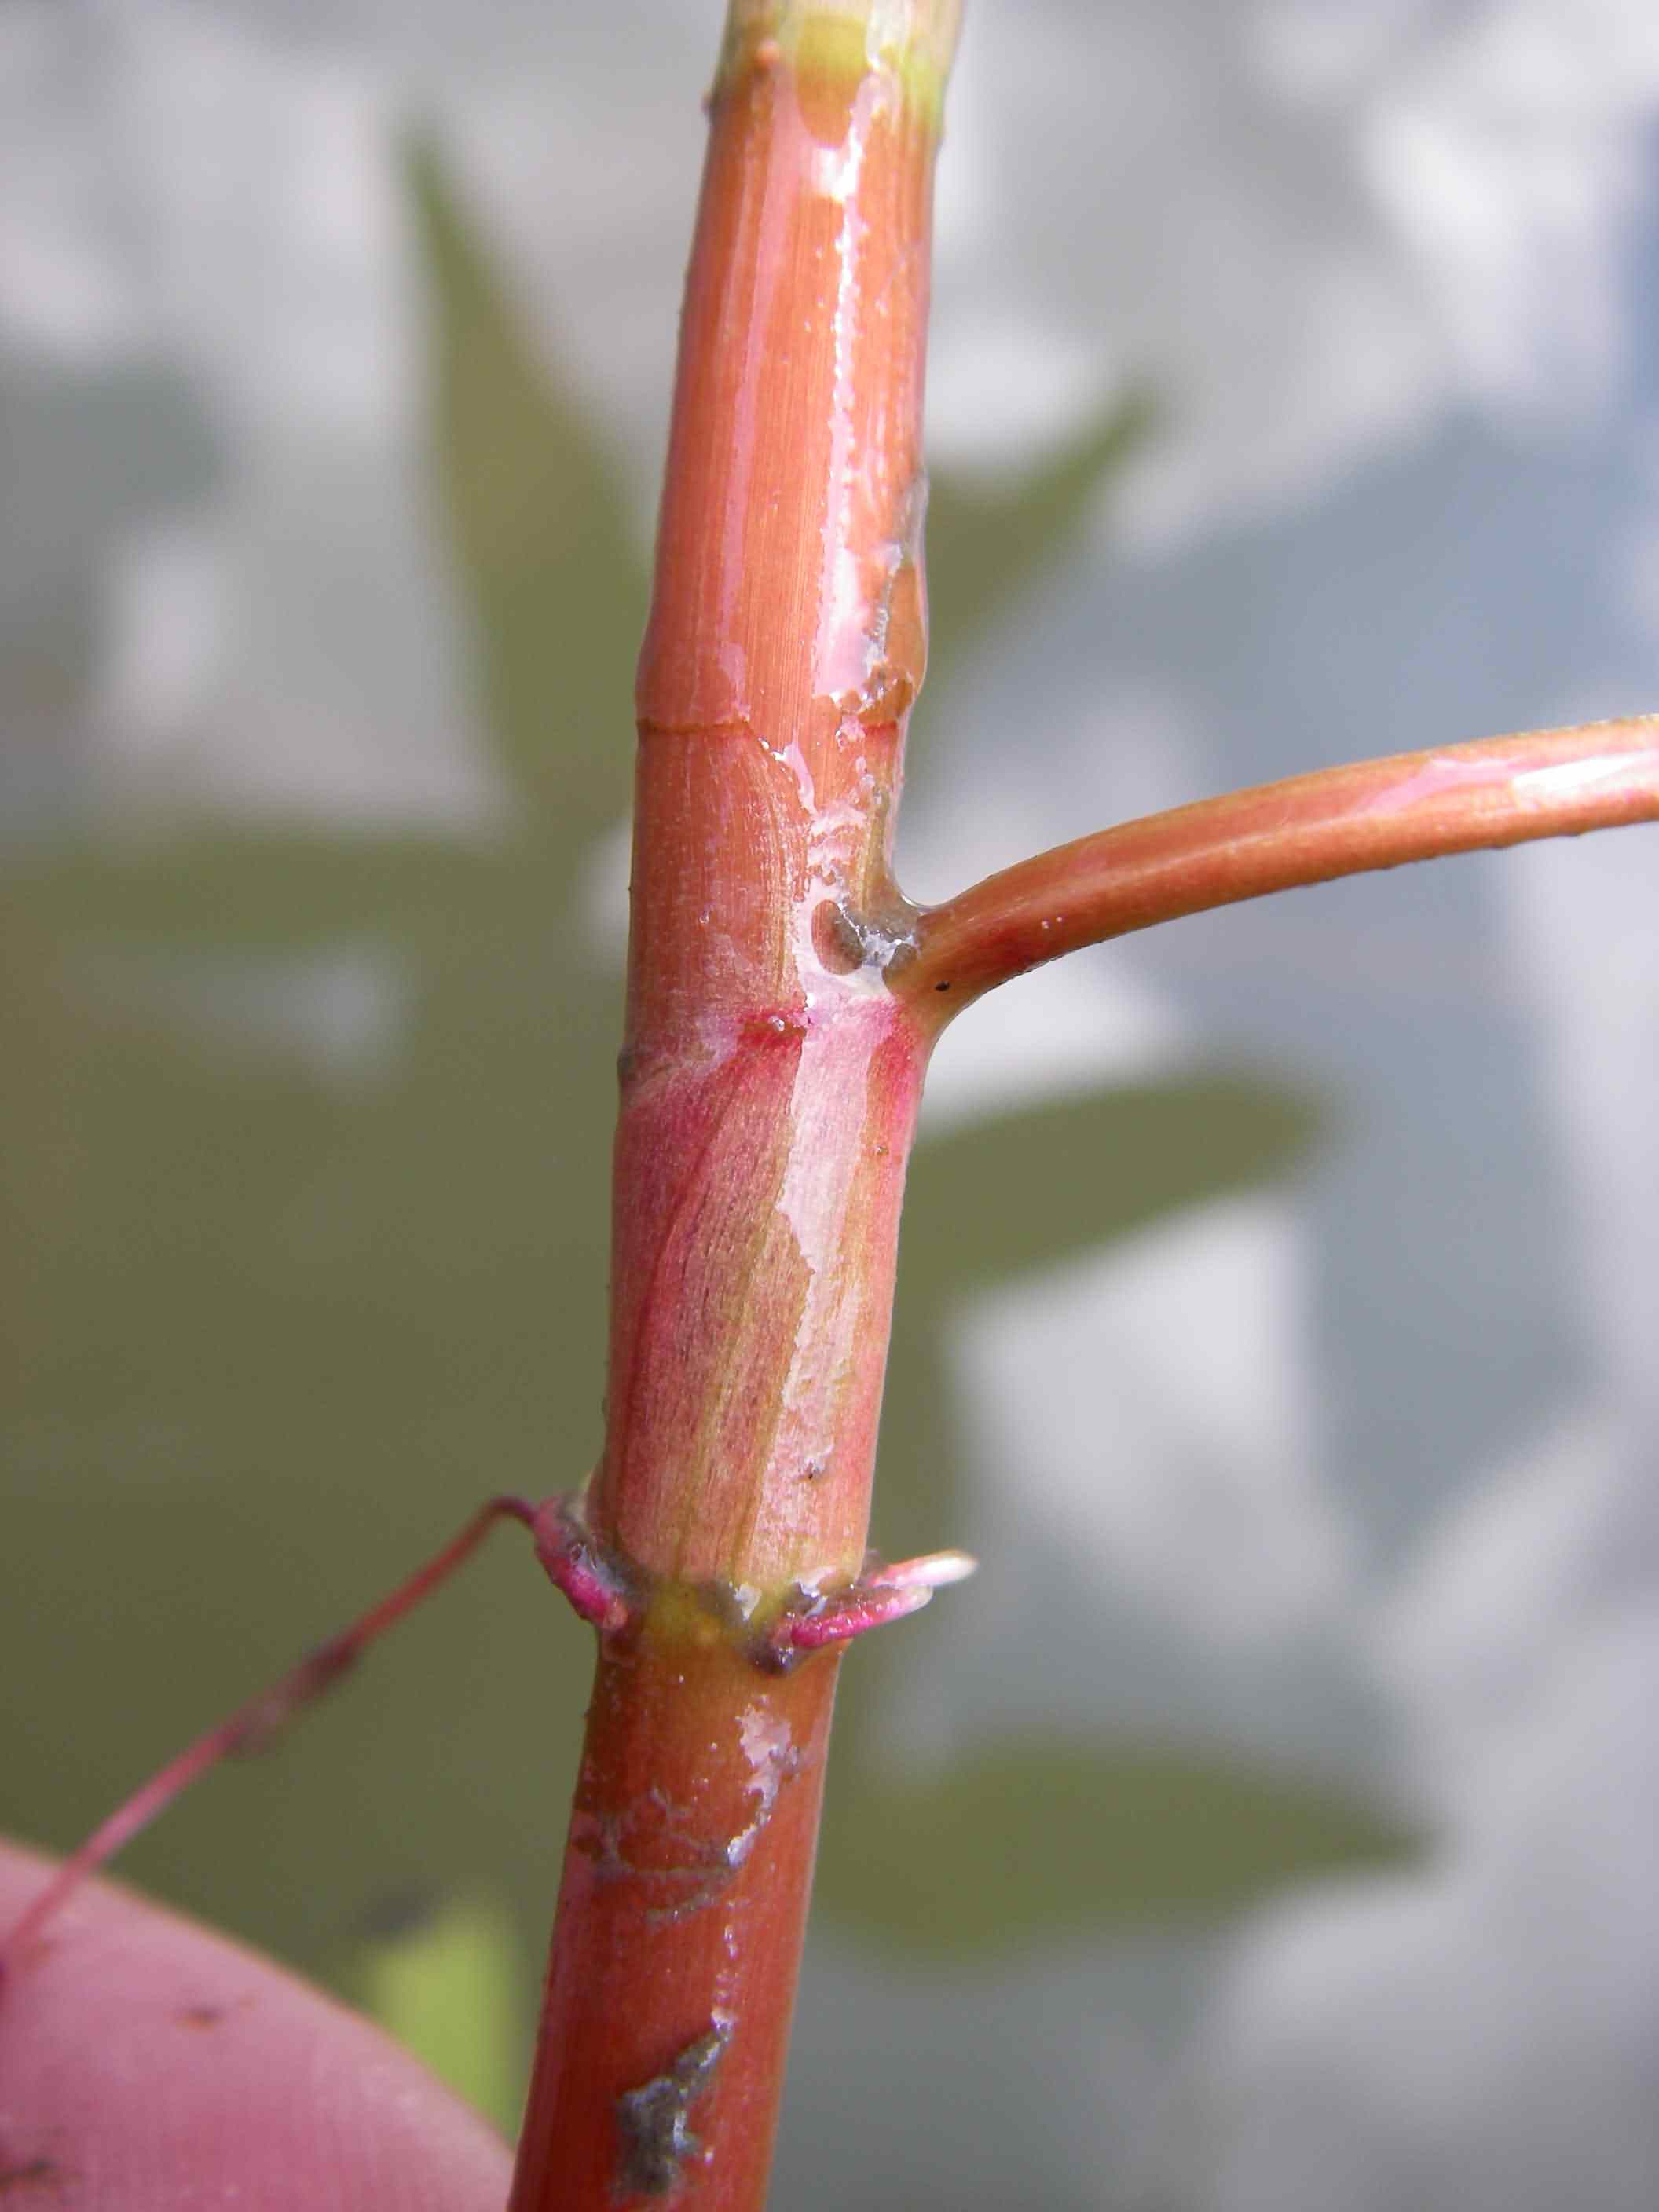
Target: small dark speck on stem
x=941, y=986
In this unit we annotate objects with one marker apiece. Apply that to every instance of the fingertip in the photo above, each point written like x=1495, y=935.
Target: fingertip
x=143, y=2060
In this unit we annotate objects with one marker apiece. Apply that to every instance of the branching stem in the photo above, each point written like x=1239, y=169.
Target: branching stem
x=1309, y=830
x=782, y=1002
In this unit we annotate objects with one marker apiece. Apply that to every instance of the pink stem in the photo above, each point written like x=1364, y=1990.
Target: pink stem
x=252, y=1725
x=1309, y=830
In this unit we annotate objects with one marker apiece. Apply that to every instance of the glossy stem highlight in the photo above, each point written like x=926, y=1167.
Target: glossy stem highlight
x=1307, y=829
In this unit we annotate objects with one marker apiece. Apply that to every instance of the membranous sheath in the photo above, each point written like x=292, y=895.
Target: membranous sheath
x=771, y=1079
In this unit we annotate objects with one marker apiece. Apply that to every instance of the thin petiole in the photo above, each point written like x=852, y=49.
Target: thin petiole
x=251, y=1727
x=1277, y=836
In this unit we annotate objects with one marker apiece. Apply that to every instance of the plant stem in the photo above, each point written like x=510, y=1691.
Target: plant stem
x=1309, y=830
x=782, y=999
x=681, y=1920
x=769, y=1082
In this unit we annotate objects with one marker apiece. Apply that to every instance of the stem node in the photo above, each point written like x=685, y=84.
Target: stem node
x=598, y=1583
x=881, y=1593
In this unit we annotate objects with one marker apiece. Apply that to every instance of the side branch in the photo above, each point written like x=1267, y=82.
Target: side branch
x=252, y=1726
x=1309, y=830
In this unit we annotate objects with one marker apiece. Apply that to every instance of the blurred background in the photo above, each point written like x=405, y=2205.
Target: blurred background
x=1274, y=1823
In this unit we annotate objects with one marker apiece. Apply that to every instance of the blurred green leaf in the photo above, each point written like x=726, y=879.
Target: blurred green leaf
x=444, y=1982
x=1037, y=1842
x=992, y=540
x=539, y=523
x=228, y=884
x=1029, y=1188
x=918, y=1486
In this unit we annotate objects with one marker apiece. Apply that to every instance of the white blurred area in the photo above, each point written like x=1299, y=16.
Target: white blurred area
x=1362, y=1471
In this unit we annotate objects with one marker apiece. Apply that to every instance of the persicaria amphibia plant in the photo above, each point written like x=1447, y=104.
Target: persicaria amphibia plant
x=783, y=999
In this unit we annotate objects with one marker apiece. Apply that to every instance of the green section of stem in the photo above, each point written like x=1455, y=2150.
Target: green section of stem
x=836, y=48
